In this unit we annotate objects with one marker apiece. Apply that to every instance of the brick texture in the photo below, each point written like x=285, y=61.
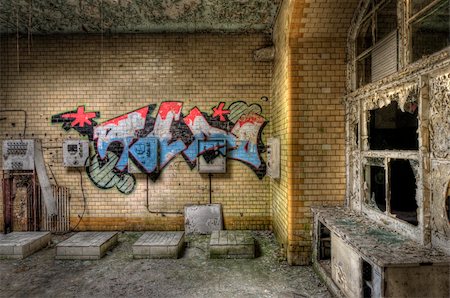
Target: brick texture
x=318, y=44
x=118, y=74
x=313, y=120
x=280, y=107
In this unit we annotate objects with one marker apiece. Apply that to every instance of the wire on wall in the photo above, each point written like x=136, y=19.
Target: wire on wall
x=84, y=202
x=157, y=212
x=25, y=118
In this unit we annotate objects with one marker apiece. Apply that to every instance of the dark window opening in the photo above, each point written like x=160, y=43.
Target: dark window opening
x=367, y=279
x=364, y=40
x=386, y=20
x=417, y=5
x=324, y=242
x=403, y=191
x=430, y=33
x=380, y=21
x=364, y=70
x=390, y=128
x=324, y=248
x=378, y=187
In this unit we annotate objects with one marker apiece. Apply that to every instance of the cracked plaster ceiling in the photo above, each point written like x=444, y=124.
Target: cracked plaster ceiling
x=136, y=16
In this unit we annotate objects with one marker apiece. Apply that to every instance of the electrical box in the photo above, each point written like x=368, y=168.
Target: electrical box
x=143, y=156
x=273, y=158
x=212, y=156
x=75, y=153
x=18, y=155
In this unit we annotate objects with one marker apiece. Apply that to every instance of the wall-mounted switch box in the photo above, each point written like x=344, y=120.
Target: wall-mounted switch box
x=18, y=155
x=75, y=153
x=212, y=156
x=144, y=156
x=273, y=158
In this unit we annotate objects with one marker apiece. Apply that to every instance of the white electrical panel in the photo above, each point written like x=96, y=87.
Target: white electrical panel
x=212, y=156
x=273, y=158
x=18, y=155
x=75, y=153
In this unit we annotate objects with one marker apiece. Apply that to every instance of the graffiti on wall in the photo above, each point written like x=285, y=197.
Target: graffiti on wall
x=146, y=140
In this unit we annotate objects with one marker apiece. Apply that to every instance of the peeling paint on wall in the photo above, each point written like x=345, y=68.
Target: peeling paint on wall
x=134, y=16
x=440, y=116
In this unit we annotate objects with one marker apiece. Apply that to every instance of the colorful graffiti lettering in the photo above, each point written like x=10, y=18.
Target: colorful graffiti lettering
x=138, y=142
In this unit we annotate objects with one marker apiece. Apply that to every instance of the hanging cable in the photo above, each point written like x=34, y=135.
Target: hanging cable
x=84, y=202
x=163, y=213
x=25, y=120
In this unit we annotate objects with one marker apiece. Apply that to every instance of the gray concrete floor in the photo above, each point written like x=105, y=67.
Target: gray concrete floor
x=193, y=275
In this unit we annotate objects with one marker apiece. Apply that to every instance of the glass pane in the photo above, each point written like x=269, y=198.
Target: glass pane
x=364, y=39
x=403, y=191
x=376, y=180
x=431, y=33
x=364, y=70
x=417, y=5
x=386, y=19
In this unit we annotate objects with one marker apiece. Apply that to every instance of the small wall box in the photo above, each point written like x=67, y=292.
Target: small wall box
x=273, y=158
x=75, y=153
x=212, y=156
x=18, y=155
x=145, y=154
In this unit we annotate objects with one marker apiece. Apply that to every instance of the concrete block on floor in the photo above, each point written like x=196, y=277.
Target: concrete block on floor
x=159, y=245
x=19, y=245
x=86, y=245
x=231, y=245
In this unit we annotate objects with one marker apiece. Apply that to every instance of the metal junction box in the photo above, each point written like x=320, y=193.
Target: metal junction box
x=273, y=158
x=144, y=156
x=75, y=153
x=212, y=156
x=18, y=155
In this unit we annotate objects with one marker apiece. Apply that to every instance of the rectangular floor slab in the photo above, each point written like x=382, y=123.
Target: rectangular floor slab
x=159, y=245
x=86, y=245
x=231, y=245
x=19, y=245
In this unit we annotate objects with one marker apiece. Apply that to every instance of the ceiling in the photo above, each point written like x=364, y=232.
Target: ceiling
x=136, y=16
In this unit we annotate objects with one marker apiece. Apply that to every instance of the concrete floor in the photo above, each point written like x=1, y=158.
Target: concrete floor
x=193, y=275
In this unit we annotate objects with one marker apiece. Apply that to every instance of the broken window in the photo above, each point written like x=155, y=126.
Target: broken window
x=376, y=42
x=429, y=26
x=390, y=128
x=391, y=187
x=403, y=191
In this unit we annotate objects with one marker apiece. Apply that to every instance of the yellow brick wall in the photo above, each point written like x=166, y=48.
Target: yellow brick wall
x=317, y=62
x=118, y=74
x=280, y=116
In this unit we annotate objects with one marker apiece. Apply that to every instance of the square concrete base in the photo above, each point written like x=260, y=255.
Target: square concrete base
x=19, y=245
x=86, y=245
x=231, y=245
x=159, y=245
